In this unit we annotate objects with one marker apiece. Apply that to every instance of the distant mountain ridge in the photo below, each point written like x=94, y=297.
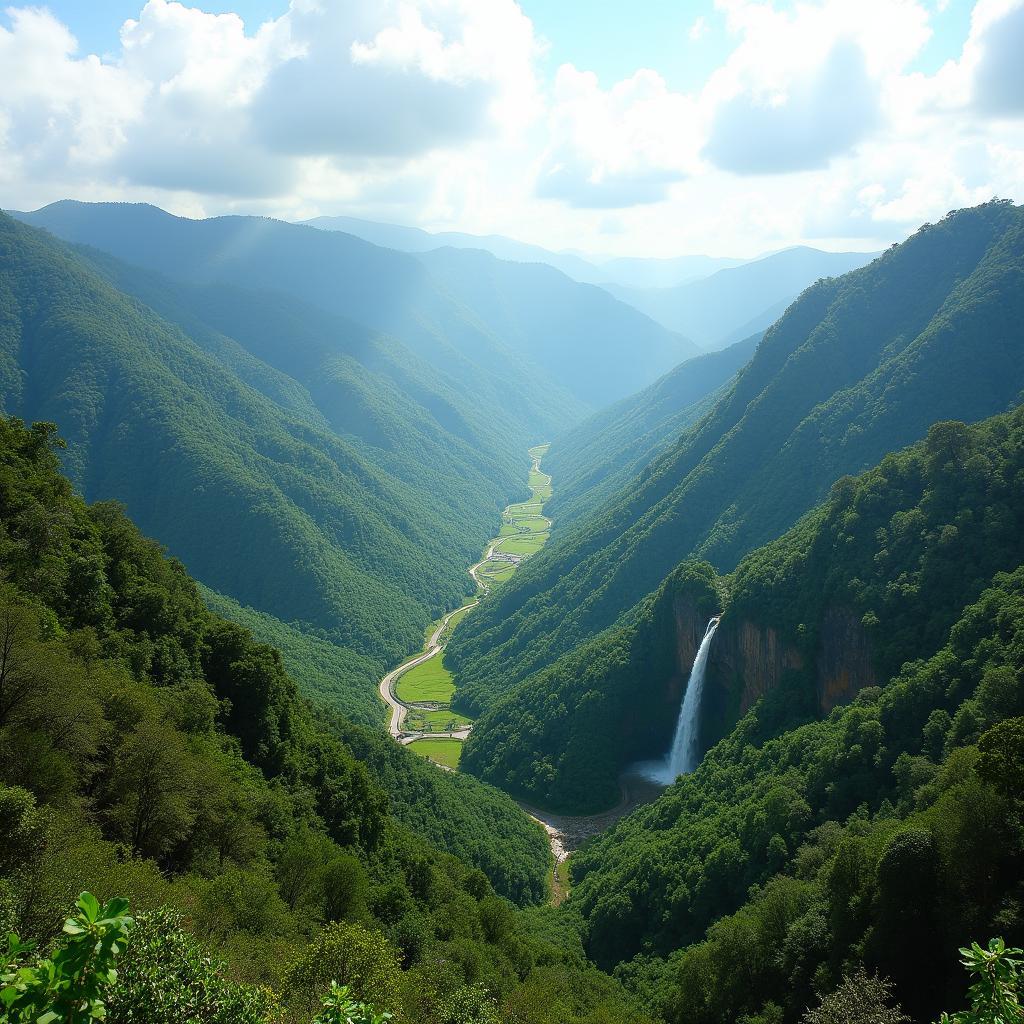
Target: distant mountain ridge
x=733, y=303
x=475, y=336
x=634, y=272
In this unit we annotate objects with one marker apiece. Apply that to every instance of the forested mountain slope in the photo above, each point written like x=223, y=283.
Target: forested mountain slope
x=886, y=832
x=861, y=364
x=151, y=750
x=387, y=291
x=477, y=343
x=261, y=503
x=595, y=346
x=712, y=309
x=405, y=415
x=873, y=579
x=595, y=459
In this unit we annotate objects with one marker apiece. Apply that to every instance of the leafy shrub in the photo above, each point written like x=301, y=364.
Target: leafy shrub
x=69, y=986
x=995, y=996
x=166, y=976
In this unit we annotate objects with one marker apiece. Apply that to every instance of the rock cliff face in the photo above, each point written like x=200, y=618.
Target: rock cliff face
x=844, y=659
x=750, y=660
x=747, y=660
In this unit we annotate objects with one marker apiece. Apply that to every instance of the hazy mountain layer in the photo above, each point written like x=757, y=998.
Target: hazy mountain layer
x=735, y=302
x=597, y=458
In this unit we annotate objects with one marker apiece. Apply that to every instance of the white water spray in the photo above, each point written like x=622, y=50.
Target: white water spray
x=685, y=751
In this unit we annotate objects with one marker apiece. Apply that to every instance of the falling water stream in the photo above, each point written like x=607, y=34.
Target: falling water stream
x=684, y=753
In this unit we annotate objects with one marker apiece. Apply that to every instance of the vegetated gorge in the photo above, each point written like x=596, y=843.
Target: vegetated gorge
x=333, y=572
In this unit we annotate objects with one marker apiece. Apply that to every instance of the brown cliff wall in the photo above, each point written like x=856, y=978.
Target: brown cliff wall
x=747, y=660
x=844, y=659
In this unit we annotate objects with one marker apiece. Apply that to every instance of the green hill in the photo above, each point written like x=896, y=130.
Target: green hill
x=885, y=832
x=859, y=365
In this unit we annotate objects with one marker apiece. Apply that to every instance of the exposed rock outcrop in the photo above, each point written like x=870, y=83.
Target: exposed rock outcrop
x=748, y=660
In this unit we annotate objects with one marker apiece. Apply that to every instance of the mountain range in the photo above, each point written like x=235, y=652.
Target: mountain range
x=319, y=431
x=858, y=365
x=735, y=302
x=630, y=272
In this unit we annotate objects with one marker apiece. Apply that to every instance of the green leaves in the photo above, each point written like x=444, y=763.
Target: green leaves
x=995, y=996
x=71, y=985
x=340, y=1008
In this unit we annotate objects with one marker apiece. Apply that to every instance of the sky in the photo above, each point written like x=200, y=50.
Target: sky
x=652, y=128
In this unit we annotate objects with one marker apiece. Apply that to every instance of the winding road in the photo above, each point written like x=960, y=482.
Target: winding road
x=387, y=684
x=434, y=646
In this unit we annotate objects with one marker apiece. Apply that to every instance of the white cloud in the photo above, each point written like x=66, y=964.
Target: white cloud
x=397, y=79
x=816, y=117
x=194, y=103
x=803, y=87
x=995, y=55
x=616, y=147
x=58, y=110
x=433, y=111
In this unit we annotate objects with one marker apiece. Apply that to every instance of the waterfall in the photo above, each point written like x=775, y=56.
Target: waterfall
x=685, y=751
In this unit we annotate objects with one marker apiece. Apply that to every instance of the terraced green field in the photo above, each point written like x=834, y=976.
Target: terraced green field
x=519, y=527
x=495, y=572
x=427, y=681
x=528, y=544
x=446, y=752
x=417, y=720
x=540, y=485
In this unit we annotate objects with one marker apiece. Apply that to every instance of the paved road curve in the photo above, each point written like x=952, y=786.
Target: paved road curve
x=387, y=684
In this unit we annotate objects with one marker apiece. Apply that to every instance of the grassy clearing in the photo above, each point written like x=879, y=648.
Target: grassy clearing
x=496, y=568
x=428, y=681
x=459, y=615
x=535, y=524
x=526, y=545
x=417, y=720
x=538, y=451
x=526, y=508
x=540, y=485
x=446, y=752
x=560, y=883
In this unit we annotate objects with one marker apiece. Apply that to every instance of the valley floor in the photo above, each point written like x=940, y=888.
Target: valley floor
x=419, y=691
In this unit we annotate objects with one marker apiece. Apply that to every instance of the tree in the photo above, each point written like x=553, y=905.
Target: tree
x=365, y=959
x=1002, y=757
x=861, y=998
x=151, y=789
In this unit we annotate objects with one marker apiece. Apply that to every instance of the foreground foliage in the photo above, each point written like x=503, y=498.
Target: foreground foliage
x=152, y=750
x=70, y=986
